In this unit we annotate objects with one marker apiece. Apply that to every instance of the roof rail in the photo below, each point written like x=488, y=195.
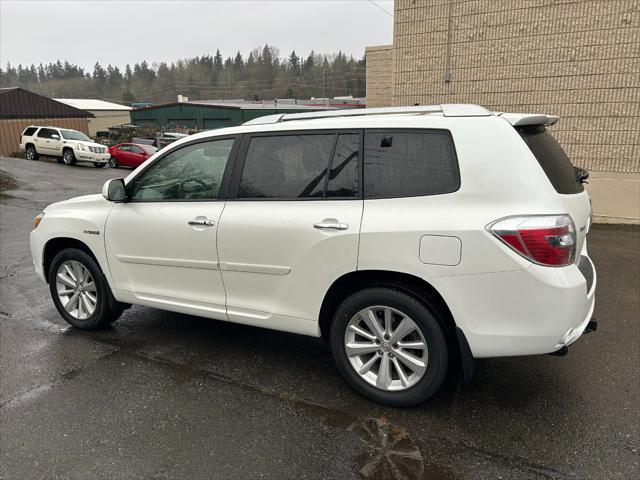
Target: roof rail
x=448, y=110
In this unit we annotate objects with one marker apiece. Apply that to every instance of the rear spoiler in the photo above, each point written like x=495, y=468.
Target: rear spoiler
x=520, y=119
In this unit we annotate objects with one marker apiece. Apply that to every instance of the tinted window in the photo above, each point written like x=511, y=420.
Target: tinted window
x=286, y=166
x=29, y=131
x=135, y=149
x=409, y=164
x=552, y=159
x=189, y=173
x=46, y=133
x=124, y=148
x=74, y=135
x=343, y=176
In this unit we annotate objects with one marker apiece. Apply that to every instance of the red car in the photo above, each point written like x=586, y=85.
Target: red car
x=129, y=154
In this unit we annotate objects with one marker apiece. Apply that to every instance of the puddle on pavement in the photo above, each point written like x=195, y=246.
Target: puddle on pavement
x=388, y=451
x=7, y=182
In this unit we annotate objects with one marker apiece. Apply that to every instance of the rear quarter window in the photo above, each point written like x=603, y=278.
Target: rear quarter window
x=29, y=131
x=552, y=158
x=413, y=163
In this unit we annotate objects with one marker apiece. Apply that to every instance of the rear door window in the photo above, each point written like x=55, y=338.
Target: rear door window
x=344, y=181
x=413, y=163
x=552, y=158
x=286, y=166
x=45, y=133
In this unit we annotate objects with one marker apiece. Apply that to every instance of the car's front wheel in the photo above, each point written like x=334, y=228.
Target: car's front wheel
x=389, y=347
x=80, y=291
x=113, y=162
x=30, y=153
x=68, y=157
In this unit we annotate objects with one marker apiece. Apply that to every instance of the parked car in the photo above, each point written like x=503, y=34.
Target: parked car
x=129, y=154
x=67, y=146
x=412, y=239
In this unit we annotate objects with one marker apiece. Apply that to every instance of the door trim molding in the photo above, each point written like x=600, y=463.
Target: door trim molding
x=254, y=268
x=169, y=262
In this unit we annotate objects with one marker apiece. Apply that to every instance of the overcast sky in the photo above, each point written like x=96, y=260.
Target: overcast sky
x=121, y=32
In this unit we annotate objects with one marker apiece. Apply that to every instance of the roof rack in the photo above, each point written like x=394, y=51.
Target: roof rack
x=447, y=110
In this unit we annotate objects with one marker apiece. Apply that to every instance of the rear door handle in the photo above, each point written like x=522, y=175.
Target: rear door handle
x=201, y=223
x=331, y=226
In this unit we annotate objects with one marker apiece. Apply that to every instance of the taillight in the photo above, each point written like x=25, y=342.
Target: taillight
x=543, y=239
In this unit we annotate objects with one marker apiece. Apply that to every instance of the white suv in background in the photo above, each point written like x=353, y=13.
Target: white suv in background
x=412, y=239
x=67, y=146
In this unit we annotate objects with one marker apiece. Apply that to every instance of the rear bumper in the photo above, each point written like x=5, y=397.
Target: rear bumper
x=533, y=311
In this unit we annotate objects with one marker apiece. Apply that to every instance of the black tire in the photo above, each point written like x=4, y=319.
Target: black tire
x=436, y=368
x=99, y=165
x=113, y=162
x=31, y=153
x=107, y=309
x=68, y=157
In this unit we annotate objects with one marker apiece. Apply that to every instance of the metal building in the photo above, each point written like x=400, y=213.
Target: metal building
x=203, y=115
x=20, y=108
x=106, y=114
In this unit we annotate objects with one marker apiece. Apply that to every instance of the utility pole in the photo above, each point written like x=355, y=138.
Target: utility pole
x=322, y=82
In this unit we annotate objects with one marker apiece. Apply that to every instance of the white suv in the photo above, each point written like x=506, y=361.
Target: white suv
x=413, y=239
x=67, y=146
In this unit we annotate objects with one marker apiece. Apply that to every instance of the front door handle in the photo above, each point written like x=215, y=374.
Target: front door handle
x=330, y=226
x=201, y=223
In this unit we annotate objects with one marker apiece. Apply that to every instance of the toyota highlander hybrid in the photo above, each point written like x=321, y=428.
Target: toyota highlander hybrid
x=413, y=239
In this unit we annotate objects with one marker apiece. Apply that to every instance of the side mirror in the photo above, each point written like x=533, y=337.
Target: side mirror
x=114, y=190
x=55, y=136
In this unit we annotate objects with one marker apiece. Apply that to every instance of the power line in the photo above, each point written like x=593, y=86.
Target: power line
x=380, y=8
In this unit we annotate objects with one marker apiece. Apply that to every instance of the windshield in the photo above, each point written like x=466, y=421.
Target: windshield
x=73, y=135
x=149, y=149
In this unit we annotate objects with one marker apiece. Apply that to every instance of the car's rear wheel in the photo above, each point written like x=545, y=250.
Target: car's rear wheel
x=30, y=153
x=113, y=162
x=99, y=165
x=389, y=347
x=68, y=157
x=80, y=291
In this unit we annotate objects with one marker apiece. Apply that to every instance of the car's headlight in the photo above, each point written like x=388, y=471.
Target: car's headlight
x=37, y=220
x=82, y=147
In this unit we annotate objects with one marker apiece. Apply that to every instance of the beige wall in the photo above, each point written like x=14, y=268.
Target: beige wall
x=11, y=129
x=107, y=118
x=379, y=75
x=577, y=59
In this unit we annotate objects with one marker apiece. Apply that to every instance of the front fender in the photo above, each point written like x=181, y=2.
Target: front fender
x=78, y=220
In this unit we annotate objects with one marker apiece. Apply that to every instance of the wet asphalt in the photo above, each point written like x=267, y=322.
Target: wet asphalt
x=161, y=395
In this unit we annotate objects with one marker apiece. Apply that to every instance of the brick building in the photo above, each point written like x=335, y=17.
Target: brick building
x=579, y=59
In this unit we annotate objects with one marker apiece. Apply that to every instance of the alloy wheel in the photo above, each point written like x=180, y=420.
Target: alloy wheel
x=31, y=153
x=76, y=289
x=386, y=348
x=67, y=157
